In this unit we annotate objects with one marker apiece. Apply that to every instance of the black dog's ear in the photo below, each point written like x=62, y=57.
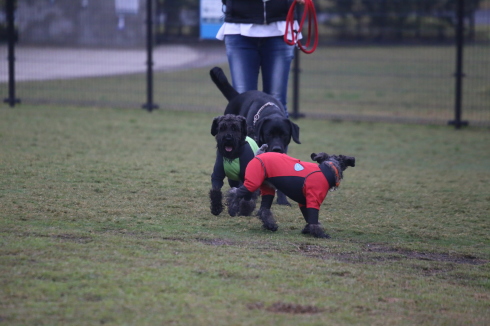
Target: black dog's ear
x=214, y=126
x=251, y=132
x=243, y=126
x=294, y=132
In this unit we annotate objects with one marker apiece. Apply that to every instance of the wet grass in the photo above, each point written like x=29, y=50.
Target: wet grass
x=405, y=83
x=104, y=219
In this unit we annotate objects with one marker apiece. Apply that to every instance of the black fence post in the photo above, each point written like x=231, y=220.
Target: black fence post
x=457, y=122
x=296, y=72
x=149, y=105
x=10, y=12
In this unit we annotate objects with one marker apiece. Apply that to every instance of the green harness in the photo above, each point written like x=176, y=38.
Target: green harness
x=232, y=167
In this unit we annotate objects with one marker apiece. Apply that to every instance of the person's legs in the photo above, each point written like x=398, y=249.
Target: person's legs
x=276, y=64
x=244, y=61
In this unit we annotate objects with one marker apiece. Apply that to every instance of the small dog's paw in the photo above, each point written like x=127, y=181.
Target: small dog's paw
x=232, y=211
x=246, y=207
x=267, y=218
x=306, y=229
x=270, y=226
x=317, y=231
x=232, y=202
x=233, y=208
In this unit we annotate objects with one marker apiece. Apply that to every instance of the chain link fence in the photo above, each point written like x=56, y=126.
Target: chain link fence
x=378, y=60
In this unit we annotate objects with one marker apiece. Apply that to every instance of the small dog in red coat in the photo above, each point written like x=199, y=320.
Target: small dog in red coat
x=304, y=182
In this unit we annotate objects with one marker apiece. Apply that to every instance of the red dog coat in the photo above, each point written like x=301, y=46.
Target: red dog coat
x=304, y=182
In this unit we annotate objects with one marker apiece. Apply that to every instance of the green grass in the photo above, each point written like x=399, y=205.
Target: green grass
x=104, y=219
x=377, y=82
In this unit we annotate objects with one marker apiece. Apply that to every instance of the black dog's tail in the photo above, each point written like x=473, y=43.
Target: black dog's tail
x=219, y=78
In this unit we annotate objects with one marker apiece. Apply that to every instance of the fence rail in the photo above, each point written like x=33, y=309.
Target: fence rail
x=378, y=60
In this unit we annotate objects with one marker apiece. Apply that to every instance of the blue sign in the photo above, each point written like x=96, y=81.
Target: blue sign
x=211, y=18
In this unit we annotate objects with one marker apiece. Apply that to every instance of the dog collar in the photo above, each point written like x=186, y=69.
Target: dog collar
x=331, y=173
x=257, y=115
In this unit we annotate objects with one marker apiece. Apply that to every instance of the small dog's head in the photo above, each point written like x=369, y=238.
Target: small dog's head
x=341, y=162
x=344, y=161
x=230, y=131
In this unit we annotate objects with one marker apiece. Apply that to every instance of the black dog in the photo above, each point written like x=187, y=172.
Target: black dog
x=266, y=117
x=304, y=182
x=234, y=150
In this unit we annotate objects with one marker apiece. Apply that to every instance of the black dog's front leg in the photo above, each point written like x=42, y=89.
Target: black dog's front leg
x=216, y=198
x=282, y=199
x=312, y=227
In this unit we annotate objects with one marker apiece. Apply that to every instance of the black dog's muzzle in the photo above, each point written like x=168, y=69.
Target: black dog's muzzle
x=228, y=143
x=277, y=149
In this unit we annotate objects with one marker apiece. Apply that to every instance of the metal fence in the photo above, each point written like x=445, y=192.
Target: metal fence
x=378, y=60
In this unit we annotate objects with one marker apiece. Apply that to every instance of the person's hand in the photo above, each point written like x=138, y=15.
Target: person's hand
x=301, y=2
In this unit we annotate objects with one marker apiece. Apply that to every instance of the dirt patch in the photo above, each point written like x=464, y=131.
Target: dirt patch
x=287, y=308
x=439, y=257
x=367, y=254
x=65, y=237
x=217, y=242
x=376, y=253
x=73, y=238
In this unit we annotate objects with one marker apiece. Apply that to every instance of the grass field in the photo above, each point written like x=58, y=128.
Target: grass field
x=404, y=83
x=104, y=219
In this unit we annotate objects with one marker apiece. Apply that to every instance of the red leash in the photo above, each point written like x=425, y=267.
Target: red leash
x=309, y=11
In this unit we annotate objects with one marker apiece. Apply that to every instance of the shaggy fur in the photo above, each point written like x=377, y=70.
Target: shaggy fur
x=266, y=117
x=267, y=218
x=216, y=198
x=340, y=161
x=315, y=230
x=230, y=132
x=265, y=215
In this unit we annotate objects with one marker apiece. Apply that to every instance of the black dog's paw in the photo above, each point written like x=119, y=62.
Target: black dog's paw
x=282, y=199
x=216, y=210
x=267, y=218
x=315, y=230
x=216, y=198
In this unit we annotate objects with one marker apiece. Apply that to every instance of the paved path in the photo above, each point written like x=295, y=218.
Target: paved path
x=44, y=63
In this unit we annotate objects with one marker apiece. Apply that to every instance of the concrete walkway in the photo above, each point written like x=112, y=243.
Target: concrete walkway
x=44, y=63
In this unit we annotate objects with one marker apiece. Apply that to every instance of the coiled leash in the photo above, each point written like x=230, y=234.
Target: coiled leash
x=309, y=11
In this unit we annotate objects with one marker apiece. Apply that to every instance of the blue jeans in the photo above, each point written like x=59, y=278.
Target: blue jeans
x=247, y=56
